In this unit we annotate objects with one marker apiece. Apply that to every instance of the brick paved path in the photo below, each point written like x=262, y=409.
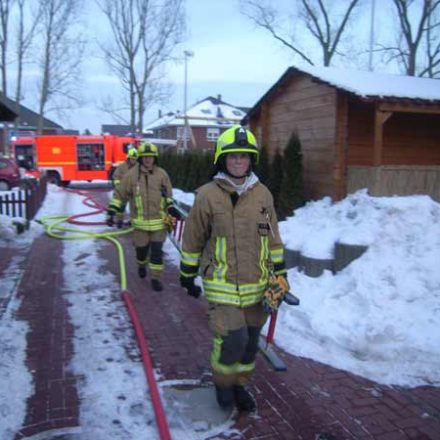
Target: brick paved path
x=309, y=398
x=54, y=403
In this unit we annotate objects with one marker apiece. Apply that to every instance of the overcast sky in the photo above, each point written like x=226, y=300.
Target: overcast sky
x=232, y=58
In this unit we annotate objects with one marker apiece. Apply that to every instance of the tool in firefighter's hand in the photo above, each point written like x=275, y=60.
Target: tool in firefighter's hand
x=277, y=291
x=170, y=222
x=291, y=299
x=173, y=211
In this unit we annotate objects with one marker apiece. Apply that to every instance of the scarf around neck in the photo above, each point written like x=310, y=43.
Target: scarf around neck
x=250, y=181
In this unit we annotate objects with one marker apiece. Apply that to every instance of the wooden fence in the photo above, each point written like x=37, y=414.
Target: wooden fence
x=389, y=180
x=25, y=202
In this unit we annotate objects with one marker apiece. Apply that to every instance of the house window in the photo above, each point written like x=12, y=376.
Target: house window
x=212, y=134
x=181, y=131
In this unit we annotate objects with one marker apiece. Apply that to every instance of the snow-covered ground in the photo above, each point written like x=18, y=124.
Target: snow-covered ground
x=379, y=317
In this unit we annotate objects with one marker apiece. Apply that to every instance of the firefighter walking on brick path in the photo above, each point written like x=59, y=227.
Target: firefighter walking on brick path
x=147, y=188
x=119, y=173
x=231, y=238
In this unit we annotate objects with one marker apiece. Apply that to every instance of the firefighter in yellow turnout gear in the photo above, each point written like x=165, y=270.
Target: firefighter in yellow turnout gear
x=231, y=238
x=148, y=189
x=117, y=176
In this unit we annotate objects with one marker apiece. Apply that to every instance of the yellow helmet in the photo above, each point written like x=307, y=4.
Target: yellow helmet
x=147, y=149
x=132, y=153
x=236, y=140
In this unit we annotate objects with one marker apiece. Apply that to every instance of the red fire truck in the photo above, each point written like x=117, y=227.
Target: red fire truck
x=67, y=158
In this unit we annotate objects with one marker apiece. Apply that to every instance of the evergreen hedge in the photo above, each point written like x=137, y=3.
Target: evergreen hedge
x=187, y=170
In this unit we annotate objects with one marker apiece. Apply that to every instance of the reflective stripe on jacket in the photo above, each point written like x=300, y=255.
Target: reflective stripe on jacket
x=148, y=193
x=232, y=245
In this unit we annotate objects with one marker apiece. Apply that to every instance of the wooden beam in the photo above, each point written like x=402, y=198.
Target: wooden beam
x=380, y=117
x=409, y=108
x=341, y=138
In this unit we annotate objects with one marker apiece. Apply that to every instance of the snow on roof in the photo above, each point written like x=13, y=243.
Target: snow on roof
x=209, y=112
x=372, y=84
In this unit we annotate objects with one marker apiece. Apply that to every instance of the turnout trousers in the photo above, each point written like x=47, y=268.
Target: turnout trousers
x=236, y=332
x=149, y=253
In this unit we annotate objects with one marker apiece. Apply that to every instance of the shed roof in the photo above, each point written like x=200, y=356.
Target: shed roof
x=7, y=114
x=28, y=117
x=365, y=84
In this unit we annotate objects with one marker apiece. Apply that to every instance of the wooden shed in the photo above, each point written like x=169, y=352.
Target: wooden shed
x=357, y=130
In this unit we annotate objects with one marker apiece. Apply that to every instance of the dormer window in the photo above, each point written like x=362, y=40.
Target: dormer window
x=212, y=133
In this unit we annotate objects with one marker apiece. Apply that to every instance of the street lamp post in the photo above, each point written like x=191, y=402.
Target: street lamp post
x=188, y=54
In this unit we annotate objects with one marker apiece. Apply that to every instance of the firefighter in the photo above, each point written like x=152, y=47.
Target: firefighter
x=119, y=173
x=231, y=238
x=148, y=189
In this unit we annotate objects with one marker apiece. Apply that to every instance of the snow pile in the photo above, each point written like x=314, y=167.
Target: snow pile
x=380, y=316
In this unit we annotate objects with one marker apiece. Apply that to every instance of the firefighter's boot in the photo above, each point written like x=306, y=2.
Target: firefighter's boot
x=156, y=285
x=142, y=271
x=243, y=400
x=225, y=397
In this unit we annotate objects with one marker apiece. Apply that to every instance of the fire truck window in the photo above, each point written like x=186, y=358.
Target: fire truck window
x=24, y=155
x=90, y=157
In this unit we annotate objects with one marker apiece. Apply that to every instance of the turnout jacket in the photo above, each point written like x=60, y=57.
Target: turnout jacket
x=149, y=194
x=120, y=172
x=232, y=245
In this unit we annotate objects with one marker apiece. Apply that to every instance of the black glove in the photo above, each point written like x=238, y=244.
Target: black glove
x=172, y=210
x=110, y=219
x=191, y=288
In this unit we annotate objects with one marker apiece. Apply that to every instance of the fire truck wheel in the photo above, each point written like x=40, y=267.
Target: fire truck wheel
x=65, y=183
x=53, y=177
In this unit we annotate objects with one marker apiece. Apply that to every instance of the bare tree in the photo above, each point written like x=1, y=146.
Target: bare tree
x=316, y=16
x=5, y=7
x=432, y=69
x=418, y=45
x=61, y=56
x=145, y=34
x=24, y=38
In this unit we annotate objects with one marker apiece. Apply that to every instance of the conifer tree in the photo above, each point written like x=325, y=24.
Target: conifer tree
x=290, y=195
x=263, y=167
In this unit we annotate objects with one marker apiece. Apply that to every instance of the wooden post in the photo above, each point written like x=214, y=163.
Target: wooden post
x=341, y=138
x=380, y=117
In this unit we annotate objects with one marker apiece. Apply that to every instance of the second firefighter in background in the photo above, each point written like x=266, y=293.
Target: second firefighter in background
x=147, y=188
x=117, y=176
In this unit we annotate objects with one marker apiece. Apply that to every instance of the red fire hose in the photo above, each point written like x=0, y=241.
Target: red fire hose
x=91, y=203
x=161, y=419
